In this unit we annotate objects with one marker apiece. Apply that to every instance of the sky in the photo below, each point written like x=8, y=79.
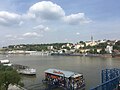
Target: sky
x=56, y=21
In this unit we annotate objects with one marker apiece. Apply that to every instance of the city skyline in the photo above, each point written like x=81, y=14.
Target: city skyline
x=50, y=21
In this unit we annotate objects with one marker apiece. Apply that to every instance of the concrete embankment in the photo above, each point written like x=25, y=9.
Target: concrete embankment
x=99, y=55
x=78, y=54
x=16, y=87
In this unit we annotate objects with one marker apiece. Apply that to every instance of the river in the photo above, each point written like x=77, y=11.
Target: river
x=90, y=67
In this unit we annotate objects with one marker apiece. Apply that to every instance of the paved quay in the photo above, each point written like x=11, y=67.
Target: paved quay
x=14, y=87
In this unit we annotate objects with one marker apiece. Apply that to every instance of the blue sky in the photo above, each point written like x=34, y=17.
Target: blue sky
x=50, y=21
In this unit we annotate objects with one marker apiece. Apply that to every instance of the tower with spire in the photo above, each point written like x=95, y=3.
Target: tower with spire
x=92, y=39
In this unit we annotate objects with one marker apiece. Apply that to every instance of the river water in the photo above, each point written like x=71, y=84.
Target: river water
x=90, y=67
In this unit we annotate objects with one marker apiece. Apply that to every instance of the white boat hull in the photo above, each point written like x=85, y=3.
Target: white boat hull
x=27, y=71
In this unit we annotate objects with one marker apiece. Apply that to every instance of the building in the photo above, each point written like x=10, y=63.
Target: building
x=67, y=45
x=84, y=50
x=90, y=43
x=50, y=48
x=77, y=46
x=109, y=49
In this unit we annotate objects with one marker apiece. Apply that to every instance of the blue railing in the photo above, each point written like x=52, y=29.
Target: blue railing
x=110, y=80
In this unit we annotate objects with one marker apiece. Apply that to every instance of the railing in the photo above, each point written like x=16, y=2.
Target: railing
x=110, y=80
x=109, y=85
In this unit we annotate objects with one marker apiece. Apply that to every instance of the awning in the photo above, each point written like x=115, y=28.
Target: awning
x=62, y=73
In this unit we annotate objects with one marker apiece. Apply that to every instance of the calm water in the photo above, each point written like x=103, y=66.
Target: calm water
x=90, y=67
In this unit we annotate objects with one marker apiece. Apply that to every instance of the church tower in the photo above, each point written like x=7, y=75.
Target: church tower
x=92, y=39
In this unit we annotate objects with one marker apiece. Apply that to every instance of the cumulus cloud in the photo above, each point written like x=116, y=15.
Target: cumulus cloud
x=76, y=19
x=46, y=10
x=42, y=11
x=42, y=28
x=7, y=18
x=31, y=34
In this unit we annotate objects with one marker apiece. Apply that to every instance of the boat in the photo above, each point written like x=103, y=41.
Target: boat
x=25, y=70
x=116, y=55
x=64, y=79
x=5, y=62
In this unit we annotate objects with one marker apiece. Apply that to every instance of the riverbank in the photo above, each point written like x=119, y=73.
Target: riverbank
x=65, y=54
x=87, y=55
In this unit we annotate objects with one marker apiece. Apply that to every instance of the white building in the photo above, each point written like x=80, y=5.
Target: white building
x=109, y=49
x=91, y=43
x=77, y=46
x=50, y=47
x=67, y=45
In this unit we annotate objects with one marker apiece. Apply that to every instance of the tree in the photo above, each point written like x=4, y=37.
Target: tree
x=101, y=45
x=66, y=48
x=103, y=51
x=117, y=45
x=8, y=76
x=95, y=51
x=82, y=42
x=91, y=51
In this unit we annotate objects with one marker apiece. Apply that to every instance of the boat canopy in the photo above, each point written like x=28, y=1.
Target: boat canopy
x=63, y=73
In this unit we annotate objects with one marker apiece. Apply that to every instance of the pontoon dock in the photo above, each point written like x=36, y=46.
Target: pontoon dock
x=65, y=79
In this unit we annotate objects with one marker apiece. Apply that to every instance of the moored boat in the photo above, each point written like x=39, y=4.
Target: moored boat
x=27, y=71
x=5, y=62
x=64, y=79
x=21, y=69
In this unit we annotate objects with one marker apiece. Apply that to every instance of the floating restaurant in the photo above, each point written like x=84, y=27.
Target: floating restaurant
x=64, y=79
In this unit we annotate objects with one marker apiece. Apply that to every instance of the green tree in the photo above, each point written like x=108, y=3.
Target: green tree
x=117, y=45
x=82, y=42
x=103, y=51
x=91, y=51
x=101, y=45
x=66, y=48
x=95, y=51
x=8, y=76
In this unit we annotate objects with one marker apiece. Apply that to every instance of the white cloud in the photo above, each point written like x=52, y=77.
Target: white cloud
x=7, y=18
x=42, y=11
x=31, y=34
x=46, y=10
x=41, y=28
x=76, y=19
x=28, y=16
x=77, y=33
x=14, y=37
